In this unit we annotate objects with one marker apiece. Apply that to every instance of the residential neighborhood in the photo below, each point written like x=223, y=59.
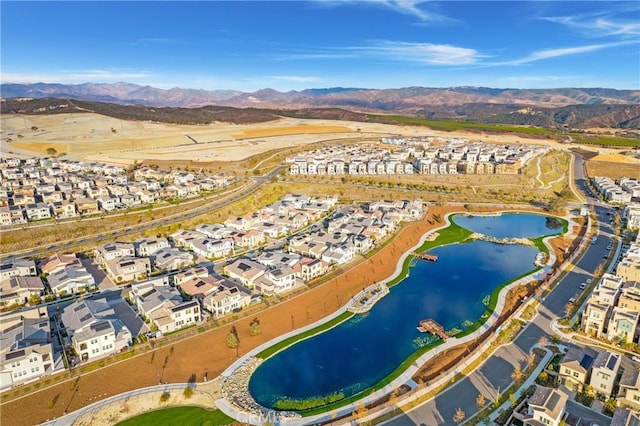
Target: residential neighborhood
x=154, y=286
x=36, y=189
x=420, y=155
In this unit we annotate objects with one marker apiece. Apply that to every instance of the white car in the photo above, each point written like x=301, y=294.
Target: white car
x=583, y=286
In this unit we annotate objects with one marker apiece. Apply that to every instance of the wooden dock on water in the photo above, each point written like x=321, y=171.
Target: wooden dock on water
x=431, y=326
x=427, y=256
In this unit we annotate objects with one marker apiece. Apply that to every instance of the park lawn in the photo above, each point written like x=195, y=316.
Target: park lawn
x=180, y=416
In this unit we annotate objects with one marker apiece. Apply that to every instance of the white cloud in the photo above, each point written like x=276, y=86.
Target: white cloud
x=597, y=26
x=297, y=78
x=564, y=51
x=424, y=53
x=413, y=8
x=74, y=77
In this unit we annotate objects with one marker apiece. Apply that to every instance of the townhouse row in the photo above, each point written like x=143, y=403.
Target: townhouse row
x=423, y=156
x=620, y=192
x=613, y=310
x=47, y=188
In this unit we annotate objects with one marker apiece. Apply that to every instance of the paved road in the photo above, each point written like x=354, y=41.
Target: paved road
x=494, y=375
x=93, y=239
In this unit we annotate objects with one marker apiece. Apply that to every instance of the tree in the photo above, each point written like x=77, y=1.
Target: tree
x=568, y=309
x=517, y=374
x=51, y=151
x=360, y=412
x=543, y=341
x=459, y=415
x=34, y=299
x=610, y=406
x=480, y=401
x=232, y=338
x=254, y=327
x=530, y=359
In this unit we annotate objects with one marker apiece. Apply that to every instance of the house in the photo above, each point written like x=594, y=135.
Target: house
x=184, y=236
x=164, y=307
x=87, y=206
x=212, y=248
x=625, y=417
x=226, y=299
x=108, y=202
x=19, y=290
x=629, y=390
x=64, y=209
x=218, y=295
x=339, y=254
x=604, y=371
x=594, y=317
x=59, y=261
x=623, y=324
x=278, y=258
x=15, y=266
x=171, y=259
x=113, y=251
x=275, y=281
x=94, y=327
x=244, y=270
x=311, y=268
x=215, y=231
x=189, y=274
x=70, y=279
x=37, y=211
x=575, y=368
x=26, y=352
x=147, y=246
x=11, y=215
x=128, y=268
x=546, y=407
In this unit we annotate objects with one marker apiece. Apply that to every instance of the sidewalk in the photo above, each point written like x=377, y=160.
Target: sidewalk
x=405, y=377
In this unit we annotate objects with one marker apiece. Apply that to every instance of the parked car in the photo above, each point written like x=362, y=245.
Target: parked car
x=583, y=286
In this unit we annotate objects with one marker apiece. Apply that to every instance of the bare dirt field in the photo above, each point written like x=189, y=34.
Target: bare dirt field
x=93, y=137
x=207, y=352
x=614, y=170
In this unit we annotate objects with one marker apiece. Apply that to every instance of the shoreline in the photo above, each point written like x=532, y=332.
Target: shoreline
x=401, y=272
x=193, y=355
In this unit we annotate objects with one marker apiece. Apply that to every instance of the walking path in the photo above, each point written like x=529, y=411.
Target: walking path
x=209, y=393
x=404, y=378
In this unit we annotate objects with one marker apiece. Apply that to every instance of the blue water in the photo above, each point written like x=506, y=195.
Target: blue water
x=508, y=225
x=360, y=352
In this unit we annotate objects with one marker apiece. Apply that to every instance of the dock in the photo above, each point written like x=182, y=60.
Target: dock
x=426, y=256
x=431, y=326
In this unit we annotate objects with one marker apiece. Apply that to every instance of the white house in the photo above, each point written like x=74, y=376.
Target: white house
x=546, y=407
x=26, y=352
x=70, y=279
x=94, y=327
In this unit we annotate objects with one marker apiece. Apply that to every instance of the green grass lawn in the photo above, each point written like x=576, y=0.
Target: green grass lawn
x=180, y=416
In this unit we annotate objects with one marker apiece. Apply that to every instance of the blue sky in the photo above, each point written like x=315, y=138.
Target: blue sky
x=293, y=45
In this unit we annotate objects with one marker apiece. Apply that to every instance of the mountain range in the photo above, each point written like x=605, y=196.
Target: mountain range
x=574, y=107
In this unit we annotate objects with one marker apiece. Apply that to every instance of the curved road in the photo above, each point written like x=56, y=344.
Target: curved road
x=495, y=373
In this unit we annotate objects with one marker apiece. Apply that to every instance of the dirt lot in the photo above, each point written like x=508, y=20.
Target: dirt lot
x=614, y=170
x=207, y=352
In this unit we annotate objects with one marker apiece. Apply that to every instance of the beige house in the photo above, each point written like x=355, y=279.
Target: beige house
x=244, y=270
x=574, y=369
x=128, y=268
x=629, y=393
x=603, y=374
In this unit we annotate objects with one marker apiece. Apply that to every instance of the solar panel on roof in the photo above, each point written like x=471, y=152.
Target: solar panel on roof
x=101, y=326
x=611, y=363
x=586, y=361
x=85, y=318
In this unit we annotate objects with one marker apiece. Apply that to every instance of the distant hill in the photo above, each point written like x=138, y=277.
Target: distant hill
x=625, y=116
